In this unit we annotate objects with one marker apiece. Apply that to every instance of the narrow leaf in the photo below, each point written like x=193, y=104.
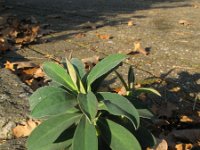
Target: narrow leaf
x=119, y=105
x=117, y=137
x=54, y=103
x=88, y=104
x=143, y=110
x=131, y=77
x=147, y=90
x=58, y=74
x=104, y=66
x=47, y=132
x=71, y=71
x=76, y=79
x=79, y=66
x=85, y=136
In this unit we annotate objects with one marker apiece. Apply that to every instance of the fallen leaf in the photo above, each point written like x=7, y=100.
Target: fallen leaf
x=103, y=36
x=162, y=145
x=30, y=71
x=184, y=22
x=175, y=89
x=4, y=45
x=90, y=61
x=9, y=65
x=185, y=119
x=182, y=146
x=25, y=64
x=196, y=5
x=25, y=128
x=38, y=73
x=138, y=48
x=120, y=91
x=130, y=23
x=29, y=81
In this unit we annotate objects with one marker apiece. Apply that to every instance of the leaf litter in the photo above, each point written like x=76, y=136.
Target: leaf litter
x=16, y=33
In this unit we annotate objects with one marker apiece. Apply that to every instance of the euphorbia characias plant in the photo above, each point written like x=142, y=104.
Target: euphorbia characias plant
x=78, y=117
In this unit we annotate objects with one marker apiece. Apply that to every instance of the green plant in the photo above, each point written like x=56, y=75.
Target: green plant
x=132, y=93
x=76, y=116
x=145, y=138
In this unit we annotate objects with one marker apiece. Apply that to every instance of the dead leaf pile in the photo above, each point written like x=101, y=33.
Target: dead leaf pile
x=17, y=33
x=24, y=129
x=28, y=72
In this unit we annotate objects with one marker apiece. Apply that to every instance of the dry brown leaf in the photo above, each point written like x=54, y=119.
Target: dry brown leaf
x=91, y=61
x=130, y=23
x=4, y=45
x=183, y=146
x=196, y=5
x=9, y=65
x=38, y=73
x=185, y=119
x=29, y=81
x=175, y=89
x=25, y=64
x=184, y=22
x=25, y=128
x=138, y=48
x=121, y=91
x=103, y=36
x=162, y=145
x=30, y=71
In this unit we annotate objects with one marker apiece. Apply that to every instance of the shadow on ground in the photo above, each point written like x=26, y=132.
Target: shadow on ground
x=80, y=15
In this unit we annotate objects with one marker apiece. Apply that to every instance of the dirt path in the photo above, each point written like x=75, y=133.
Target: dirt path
x=169, y=28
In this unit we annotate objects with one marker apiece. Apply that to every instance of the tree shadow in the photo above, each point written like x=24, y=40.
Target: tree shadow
x=184, y=89
x=80, y=15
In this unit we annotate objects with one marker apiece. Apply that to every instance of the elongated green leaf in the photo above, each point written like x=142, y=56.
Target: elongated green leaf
x=88, y=104
x=54, y=103
x=75, y=77
x=143, y=110
x=43, y=93
x=71, y=71
x=50, y=130
x=147, y=90
x=104, y=66
x=79, y=66
x=131, y=77
x=85, y=136
x=119, y=105
x=117, y=137
x=58, y=74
